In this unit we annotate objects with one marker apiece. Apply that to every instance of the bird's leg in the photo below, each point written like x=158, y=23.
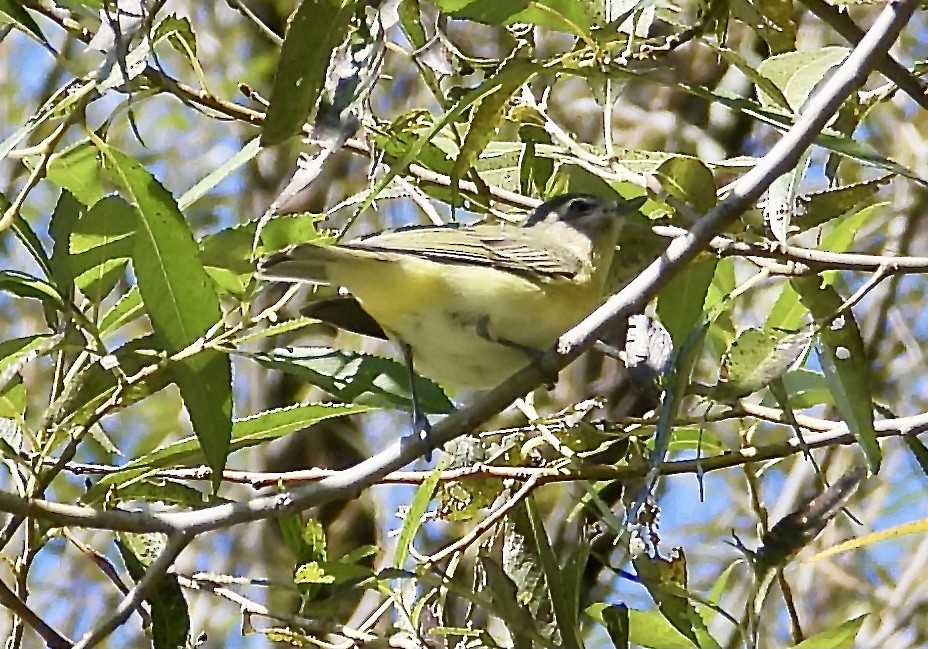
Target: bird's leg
x=420, y=423
x=533, y=355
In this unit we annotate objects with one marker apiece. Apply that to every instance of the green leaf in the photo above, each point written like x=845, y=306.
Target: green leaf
x=98, y=380
x=659, y=575
x=534, y=171
x=411, y=153
x=79, y=169
x=680, y=303
x=304, y=538
x=564, y=597
x=413, y=520
x=25, y=285
x=220, y=173
x=507, y=606
x=844, y=359
x=918, y=450
x=127, y=308
x=488, y=115
x=690, y=181
x=312, y=573
x=179, y=33
x=313, y=32
x=757, y=357
x=615, y=619
x=182, y=305
x=821, y=207
x=170, y=618
x=290, y=229
x=100, y=246
x=67, y=212
x=285, y=326
x=521, y=564
x=356, y=378
x=562, y=15
x=21, y=18
x=788, y=312
x=250, y=431
x=15, y=353
x=841, y=636
x=805, y=389
x=162, y=490
x=796, y=73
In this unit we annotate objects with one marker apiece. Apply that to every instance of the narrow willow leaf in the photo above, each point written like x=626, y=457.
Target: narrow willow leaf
x=127, y=308
x=352, y=377
x=837, y=638
x=313, y=32
x=413, y=521
x=170, y=618
x=488, y=115
x=844, y=360
x=919, y=451
x=220, y=173
x=67, y=212
x=823, y=206
x=564, y=598
x=182, y=304
x=251, y=431
x=21, y=18
x=506, y=605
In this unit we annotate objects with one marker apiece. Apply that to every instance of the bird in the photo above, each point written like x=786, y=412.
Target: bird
x=468, y=306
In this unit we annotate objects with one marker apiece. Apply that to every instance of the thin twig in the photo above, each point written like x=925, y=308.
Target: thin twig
x=487, y=522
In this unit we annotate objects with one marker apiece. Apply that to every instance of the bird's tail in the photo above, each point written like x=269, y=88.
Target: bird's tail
x=303, y=263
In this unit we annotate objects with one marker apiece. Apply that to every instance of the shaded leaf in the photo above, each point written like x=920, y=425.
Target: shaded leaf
x=844, y=359
x=170, y=618
x=352, y=377
x=565, y=602
x=488, y=114
x=21, y=18
x=100, y=246
x=690, y=181
x=919, y=451
x=680, y=303
x=67, y=212
x=506, y=605
x=315, y=29
x=821, y=207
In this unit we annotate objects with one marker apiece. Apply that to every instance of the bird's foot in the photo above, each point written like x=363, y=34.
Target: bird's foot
x=422, y=429
x=533, y=355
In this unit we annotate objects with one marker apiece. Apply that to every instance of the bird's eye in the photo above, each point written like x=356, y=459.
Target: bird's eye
x=579, y=207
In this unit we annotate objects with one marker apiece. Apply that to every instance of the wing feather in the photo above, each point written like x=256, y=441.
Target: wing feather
x=517, y=250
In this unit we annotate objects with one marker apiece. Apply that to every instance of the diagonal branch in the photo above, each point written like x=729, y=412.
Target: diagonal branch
x=885, y=63
x=175, y=545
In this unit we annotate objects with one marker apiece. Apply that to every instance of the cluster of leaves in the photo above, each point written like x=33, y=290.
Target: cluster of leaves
x=136, y=298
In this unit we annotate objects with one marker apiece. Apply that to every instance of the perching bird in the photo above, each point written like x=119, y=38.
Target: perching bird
x=471, y=305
